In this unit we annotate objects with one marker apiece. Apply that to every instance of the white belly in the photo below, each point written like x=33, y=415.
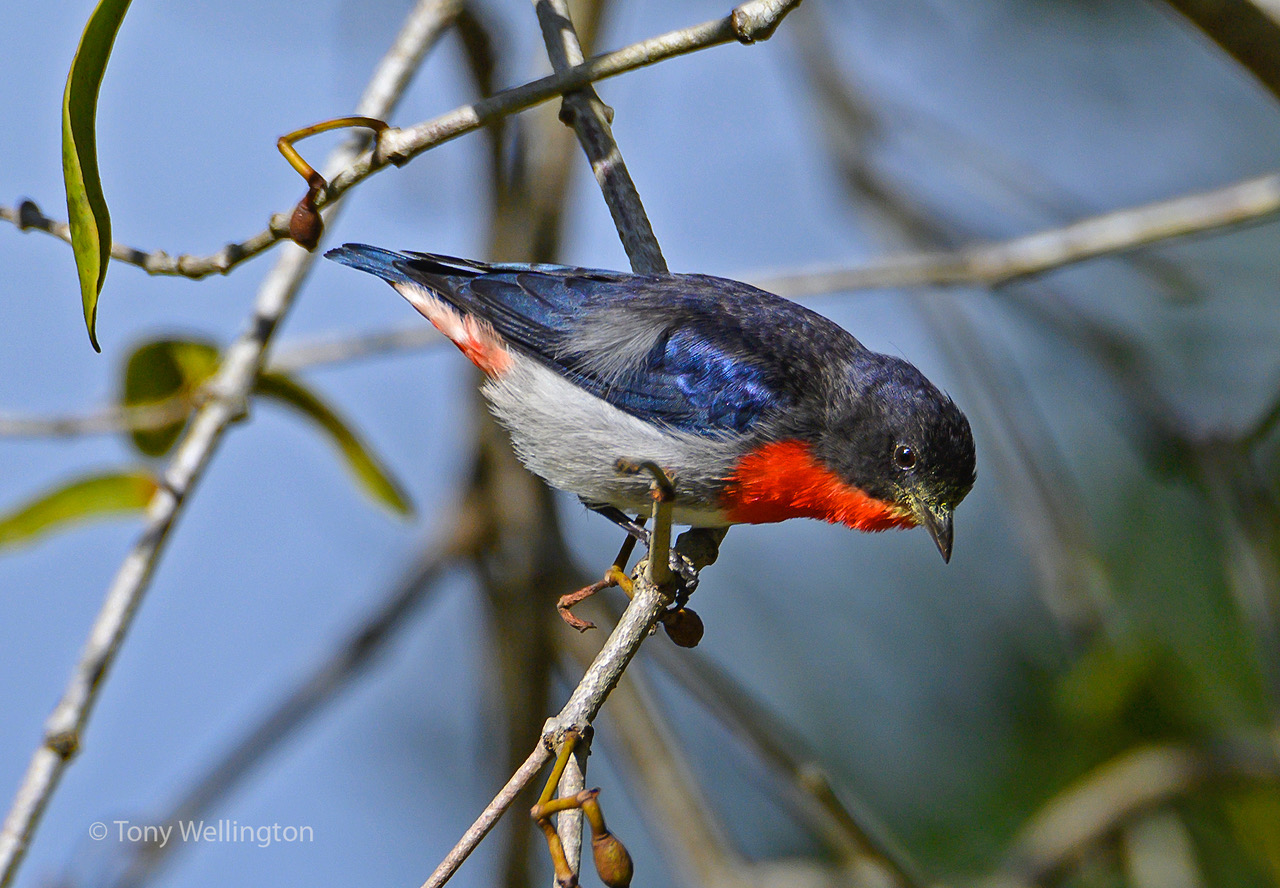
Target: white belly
x=574, y=440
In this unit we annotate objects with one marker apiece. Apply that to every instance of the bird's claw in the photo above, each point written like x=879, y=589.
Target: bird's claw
x=683, y=567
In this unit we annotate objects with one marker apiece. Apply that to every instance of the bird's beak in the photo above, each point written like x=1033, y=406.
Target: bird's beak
x=939, y=525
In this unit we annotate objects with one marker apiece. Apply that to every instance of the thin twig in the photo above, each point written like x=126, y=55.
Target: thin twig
x=702, y=852
x=749, y=22
x=289, y=359
x=1107, y=234
x=28, y=216
x=229, y=390
x=489, y=816
x=109, y=420
x=589, y=116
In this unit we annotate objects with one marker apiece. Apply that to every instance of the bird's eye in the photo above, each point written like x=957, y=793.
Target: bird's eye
x=904, y=456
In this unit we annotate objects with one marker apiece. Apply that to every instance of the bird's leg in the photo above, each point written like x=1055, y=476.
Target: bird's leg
x=635, y=529
x=613, y=863
x=695, y=549
x=616, y=575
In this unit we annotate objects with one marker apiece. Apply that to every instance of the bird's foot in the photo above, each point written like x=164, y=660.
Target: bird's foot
x=614, y=576
x=682, y=565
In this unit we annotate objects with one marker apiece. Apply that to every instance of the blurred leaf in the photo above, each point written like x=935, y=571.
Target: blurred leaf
x=369, y=472
x=89, y=497
x=86, y=206
x=158, y=371
x=1106, y=681
x=1254, y=815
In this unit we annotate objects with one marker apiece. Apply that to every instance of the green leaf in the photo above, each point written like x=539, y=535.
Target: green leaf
x=369, y=472
x=86, y=206
x=94, y=496
x=159, y=371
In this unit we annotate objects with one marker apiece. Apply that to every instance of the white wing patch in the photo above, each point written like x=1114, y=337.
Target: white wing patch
x=611, y=342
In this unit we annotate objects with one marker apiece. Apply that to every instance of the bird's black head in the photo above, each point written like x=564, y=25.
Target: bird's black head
x=889, y=432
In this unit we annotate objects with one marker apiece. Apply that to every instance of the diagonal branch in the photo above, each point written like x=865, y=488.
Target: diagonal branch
x=752, y=21
x=229, y=390
x=590, y=117
x=998, y=263
x=600, y=678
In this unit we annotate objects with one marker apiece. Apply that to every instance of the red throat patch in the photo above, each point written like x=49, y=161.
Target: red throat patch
x=783, y=480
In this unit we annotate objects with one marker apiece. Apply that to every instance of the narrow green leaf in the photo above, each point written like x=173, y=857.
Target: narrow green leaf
x=369, y=472
x=86, y=206
x=93, y=496
x=159, y=371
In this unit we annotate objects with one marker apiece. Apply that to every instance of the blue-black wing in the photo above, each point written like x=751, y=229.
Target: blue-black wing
x=696, y=353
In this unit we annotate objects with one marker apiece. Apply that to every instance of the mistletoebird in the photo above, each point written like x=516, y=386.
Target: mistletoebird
x=757, y=408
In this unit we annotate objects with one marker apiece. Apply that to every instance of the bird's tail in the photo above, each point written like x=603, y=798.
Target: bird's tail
x=432, y=269
x=386, y=264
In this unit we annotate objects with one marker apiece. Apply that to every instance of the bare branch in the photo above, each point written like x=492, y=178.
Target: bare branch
x=589, y=116
x=489, y=816
x=299, y=356
x=229, y=389
x=693, y=830
x=27, y=215
x=600, y=678
x=998, y=263
x=107, y=421
x=584, y=703
x=399, y=146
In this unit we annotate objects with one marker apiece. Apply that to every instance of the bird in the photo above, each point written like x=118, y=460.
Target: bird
x=757, y=408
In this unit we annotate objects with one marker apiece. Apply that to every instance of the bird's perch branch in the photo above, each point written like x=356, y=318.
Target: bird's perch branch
x=601, y=677
x=229, y=391
x=587, y=698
